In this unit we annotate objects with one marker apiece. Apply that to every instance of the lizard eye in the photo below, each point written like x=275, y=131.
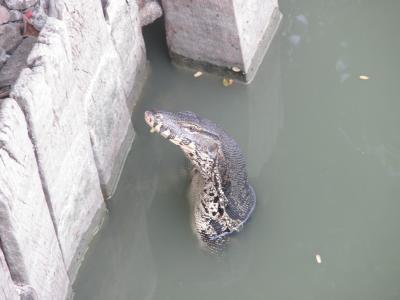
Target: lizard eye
x=192, y=127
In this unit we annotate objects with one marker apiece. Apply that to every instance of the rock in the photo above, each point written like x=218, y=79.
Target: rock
x=109, y=127
x=112, y=65
x=4, y=15
x=10, y=36
x=20, y=4
x=48, y=94
x=89, y=38
x=39, y=18
x=7, y=288
x=27, y=292
x=55, y=8
x=15, y=15
x=149, y=10
x=3, y=57
x=28, y=236
x=10, y=71
x=124, y=18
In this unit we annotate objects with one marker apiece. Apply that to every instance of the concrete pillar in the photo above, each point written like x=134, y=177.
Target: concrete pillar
x=28, y=238
x=224, y=37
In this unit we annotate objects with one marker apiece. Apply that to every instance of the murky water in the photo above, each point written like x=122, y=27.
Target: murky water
x=323, y=149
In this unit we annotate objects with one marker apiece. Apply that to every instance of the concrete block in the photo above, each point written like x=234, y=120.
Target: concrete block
x=257, y=21
x=90, y=41
x=109, y=121
x=28, y=236
x=47, y=93
x=107, y=66
x=7, y=287
x=88, y=34
x=228, y=38
x=126, y=34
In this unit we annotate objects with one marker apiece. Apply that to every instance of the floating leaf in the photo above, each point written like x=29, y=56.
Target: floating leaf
x=227, y=82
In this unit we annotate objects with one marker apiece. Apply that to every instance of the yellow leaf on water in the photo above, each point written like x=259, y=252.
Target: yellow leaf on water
x=364, y=77
x=227, y=82
x=197, y=74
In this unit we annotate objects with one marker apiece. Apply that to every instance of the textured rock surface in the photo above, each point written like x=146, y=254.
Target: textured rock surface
x=57, y=127
x=124, y=22
x=89, y=37
x=28, y=237
x=39, y=18
x=75, y=91
x=7, y=288
x=3, y=58
x=15, y=15
x=19, y=4
x=216, y=35
x=150, y=10
x=108, y=65
x=27, y=292
x=4, y=15
x=109, y=121
x=14, y=65
x=10, y=36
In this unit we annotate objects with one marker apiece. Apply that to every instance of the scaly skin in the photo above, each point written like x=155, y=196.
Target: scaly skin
x=221, y=198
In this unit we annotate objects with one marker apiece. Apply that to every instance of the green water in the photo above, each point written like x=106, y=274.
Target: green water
x=323, y=152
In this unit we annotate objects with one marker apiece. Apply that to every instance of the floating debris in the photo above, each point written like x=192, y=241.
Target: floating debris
x=236, y=69
x=227, y=82
x=364, y=77
x=318, y=258
x=197, y=74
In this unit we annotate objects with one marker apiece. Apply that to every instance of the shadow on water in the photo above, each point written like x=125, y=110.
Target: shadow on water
x=323, y=156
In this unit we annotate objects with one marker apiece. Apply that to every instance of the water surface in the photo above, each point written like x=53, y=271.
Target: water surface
x=323, y=152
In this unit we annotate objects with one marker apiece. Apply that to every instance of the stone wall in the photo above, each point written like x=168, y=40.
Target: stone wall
x=7, y=288
x=28, y=237
x=65, y=132
x=73, y=77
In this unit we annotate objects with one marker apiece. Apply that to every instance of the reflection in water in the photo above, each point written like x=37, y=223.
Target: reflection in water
x=323, y=151
x=120, y=237
x=266, y=110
